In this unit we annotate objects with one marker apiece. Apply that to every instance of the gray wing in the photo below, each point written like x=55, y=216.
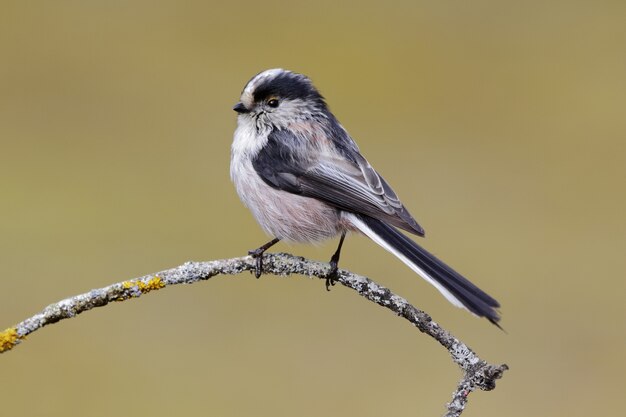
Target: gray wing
x=343, y=179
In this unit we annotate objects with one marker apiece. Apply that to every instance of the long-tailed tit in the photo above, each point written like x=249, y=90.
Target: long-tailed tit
x=303, y=177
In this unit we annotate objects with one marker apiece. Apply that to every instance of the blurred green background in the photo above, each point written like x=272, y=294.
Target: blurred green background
x=500, y=124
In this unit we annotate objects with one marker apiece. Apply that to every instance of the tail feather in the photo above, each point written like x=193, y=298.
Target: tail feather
x=457, y=289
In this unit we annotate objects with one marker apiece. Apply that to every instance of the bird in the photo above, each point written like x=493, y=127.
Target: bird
x=305, y=180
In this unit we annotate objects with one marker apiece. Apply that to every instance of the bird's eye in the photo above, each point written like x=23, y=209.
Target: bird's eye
x=272, y=102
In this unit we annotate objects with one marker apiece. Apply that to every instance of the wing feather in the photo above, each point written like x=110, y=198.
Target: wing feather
x=348, y=183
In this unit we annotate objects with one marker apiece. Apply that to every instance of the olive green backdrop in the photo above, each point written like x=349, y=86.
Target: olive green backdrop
x=500, y=124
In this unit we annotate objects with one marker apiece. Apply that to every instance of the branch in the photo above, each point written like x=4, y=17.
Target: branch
x=478, y=374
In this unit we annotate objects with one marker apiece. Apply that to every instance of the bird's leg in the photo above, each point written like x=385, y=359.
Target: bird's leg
x=258, y=255
x=334, y=263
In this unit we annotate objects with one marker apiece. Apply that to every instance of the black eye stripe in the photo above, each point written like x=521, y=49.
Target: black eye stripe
x=288, y=86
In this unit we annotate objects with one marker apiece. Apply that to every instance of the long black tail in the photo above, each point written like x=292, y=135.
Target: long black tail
x=457, y=289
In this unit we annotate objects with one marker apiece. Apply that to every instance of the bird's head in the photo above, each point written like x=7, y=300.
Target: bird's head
x=278, y=97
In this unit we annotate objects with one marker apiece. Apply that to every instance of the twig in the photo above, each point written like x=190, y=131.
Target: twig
x=478, y=374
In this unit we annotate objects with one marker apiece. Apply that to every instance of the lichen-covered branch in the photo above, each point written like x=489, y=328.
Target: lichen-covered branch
x=482, y=376
x=478, y=374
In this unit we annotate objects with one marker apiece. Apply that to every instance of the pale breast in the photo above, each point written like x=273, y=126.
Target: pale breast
x=282, y=214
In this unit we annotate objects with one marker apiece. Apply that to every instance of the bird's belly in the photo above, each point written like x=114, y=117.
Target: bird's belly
x=284, y=215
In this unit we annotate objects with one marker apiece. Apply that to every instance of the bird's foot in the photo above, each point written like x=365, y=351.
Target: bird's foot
x=332, y=276
x=257, y=254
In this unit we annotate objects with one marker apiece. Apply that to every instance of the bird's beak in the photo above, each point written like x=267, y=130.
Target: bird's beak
x=240, y=108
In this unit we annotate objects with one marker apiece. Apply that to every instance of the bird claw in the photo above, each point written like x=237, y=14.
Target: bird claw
x=332, y=276
x=257, y=254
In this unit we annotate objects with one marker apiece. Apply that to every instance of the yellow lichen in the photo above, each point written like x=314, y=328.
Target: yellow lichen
x=154, y=284
x=8, y=339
